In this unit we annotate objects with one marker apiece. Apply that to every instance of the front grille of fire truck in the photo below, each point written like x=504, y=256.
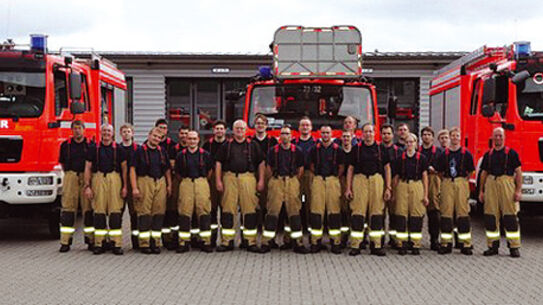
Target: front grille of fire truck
x=10, y=149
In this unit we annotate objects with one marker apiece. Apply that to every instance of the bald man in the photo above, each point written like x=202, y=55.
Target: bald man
x=500, y=191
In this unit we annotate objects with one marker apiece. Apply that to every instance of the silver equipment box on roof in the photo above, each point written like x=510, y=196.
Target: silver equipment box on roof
x=309, y=52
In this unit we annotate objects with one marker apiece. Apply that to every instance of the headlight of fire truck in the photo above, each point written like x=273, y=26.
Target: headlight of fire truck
x=527, y=180
x=45, y=180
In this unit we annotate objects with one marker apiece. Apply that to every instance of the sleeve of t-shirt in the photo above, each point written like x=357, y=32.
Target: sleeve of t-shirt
x=136, y=157
x=62, y=155
x=208, y=161
x=312, y=159
x=258, y=155
x=396, y=164
x=221, y=153
x=424, y=163
x=178, y=163
x=299, y=157
x=440, y=163
x=384, y=155
x=352, y=156
x=484, y=165
x=166, y=157
x=468, y=162
x=121, y=154
x=269, y=157
x=340, y=157
x=91, y=153
x=514, y=159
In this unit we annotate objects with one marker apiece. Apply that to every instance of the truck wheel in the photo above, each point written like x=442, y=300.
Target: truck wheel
x=54, y=220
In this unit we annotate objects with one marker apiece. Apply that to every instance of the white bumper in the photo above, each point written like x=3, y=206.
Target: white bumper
x=532, y=192
x=15, y=188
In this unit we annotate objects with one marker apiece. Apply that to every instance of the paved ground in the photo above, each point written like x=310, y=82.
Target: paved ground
x=33, y=272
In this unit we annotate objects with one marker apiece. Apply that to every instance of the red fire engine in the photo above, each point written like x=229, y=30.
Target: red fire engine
x=40, y=95
x=493, y=87
x=317, y=72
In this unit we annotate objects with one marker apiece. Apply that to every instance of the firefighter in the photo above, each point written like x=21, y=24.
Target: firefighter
x=285, y=163
x=455, y=166
x=500, y=191
x=368, y=186
x=411, y=185
x=107, y=163
x=402, y=132
x=212, y=146
x=240, y=158
x=350, y=123
x=443, y=138
x=306, y=142
x=129, y=146
x=432, y=152
x=150, y=176
x=72, y=158
x=265, y=141
x=170, y=228
x=327, y=164
x=193, y=166
x=347, y=146
x=394, y=152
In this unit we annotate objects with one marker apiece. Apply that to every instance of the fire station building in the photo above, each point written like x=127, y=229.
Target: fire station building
x=189, y=89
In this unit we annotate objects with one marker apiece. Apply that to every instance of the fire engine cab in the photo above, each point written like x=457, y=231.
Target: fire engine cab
x=40, y=95
x=496, y=87
x=317, y=72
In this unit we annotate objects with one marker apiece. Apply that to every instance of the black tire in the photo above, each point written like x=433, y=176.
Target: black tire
x=54, y=220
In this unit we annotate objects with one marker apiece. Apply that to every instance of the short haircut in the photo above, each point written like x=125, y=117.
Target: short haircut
x=387, y=125
x=427, y=129
x=219, y=122
x=77, y=123
x=454, y=129
x=183, y=126
x=194, y=130
x=326, y=125
x=284, y=126
x=155, y=129
x=305, y=117
x=346, y=131
x=402, y=124
x=160, y=121
x=127, y=126
x=262, y=117
x=442, y=132
x=367, y=124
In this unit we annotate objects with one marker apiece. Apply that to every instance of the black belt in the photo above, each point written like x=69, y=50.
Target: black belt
x=237, y=174
x=410, y=179
x=368, y=175
x=324, y=177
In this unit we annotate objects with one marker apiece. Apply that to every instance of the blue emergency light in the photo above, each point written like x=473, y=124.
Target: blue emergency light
x=38, y=43
x=265, y=72
x=522, y=49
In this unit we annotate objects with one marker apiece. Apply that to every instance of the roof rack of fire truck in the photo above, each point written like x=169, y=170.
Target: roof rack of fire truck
x=480, y=58
x=317, y=52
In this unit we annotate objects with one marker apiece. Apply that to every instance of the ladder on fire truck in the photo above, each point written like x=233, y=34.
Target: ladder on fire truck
x=476, y=60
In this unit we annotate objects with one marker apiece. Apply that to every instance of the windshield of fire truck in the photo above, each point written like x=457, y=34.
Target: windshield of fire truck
x=330, y=104
x=530, y=100
x=22, y=94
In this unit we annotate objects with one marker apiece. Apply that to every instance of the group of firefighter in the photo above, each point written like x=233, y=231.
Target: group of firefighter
x=181, y=195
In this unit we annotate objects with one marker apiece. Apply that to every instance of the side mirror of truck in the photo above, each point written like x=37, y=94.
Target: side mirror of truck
x=520, y=77
x=488, y=111
x=392, y=107
x=77, y=107
x=75, y=86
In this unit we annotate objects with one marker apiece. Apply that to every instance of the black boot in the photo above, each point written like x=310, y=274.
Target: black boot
x=377, y=251
x=182, y=249
x=415, y=251
x=434, y=245
x=492, y=250
x=244, y=243
x=253, y=248
x=117, y=251
x=206, y=248
x=403, y=249
x=467, y=251
x=300, y=249
x=354, y=252
x=135, y=242
x=229, y=247
x=98, y=250
x=514, y=252
x=64, y=248
x=155, y=249
x=146, y=250
x=336, y=249
x=445, y=249
x=286, y=246
x=316, y=248
x=265, y=249
x=272, y=244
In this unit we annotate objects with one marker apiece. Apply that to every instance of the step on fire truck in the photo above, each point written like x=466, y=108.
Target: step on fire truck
x=496, y=87
x=40, y=95
x=317, y=72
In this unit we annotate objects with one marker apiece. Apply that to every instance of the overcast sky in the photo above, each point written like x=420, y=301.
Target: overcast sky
x=247, y=26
